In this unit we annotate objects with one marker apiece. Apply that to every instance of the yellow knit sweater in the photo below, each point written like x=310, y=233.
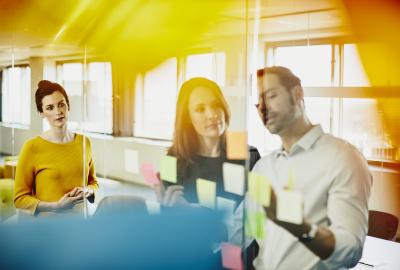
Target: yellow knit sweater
x=46, y=171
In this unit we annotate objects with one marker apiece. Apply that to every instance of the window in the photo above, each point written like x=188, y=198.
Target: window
x=362, y=124
x=312, y=64
x=16, y=95
x=157, y=91
x=353, y=71
x=155, y=96
x=318, y=110
x=357, y=120
x=209, y=65
x=95, y=114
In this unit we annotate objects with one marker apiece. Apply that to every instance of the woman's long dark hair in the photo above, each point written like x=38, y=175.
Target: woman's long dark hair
x=185, y=144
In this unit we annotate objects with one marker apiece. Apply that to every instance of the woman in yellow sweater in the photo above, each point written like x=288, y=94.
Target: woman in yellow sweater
x=49, y=176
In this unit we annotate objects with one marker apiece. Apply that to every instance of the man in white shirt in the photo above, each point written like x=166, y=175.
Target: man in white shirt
x=330, y=173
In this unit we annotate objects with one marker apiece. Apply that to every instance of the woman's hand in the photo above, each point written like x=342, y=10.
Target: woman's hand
x=78, y=191
x=171, y=196
x=67, y=200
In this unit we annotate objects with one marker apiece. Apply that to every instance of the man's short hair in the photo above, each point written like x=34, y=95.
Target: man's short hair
x=285, y=76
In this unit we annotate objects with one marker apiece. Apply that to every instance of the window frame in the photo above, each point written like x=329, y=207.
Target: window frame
x=181, y=78
x=20, y=64
x=85, y=63
x=337, y=92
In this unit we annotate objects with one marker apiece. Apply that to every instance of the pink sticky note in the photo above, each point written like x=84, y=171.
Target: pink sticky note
x=231, y=256
x=150, y=176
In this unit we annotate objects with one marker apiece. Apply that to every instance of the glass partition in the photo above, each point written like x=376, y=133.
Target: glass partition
x=153, y=155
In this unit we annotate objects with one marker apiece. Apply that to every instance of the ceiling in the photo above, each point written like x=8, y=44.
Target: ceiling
x=154, y=29
x=289, y=19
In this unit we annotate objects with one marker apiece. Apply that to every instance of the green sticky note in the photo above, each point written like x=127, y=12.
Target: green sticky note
x=206, y=192
x=168, y=169
x=254, y=224
x=259, y=189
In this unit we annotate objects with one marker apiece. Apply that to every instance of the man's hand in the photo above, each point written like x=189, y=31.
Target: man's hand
x=271, y=212
x=324, y=243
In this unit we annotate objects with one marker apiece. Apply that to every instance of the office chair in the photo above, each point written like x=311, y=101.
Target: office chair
x=121, y=203
x=382, y=225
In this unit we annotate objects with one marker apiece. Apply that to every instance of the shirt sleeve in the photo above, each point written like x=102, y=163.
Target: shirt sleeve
x=348, y=208
x=24, y=198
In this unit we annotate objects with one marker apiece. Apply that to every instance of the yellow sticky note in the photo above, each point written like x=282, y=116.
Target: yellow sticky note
x=259, y=189
x=290, y=184
x=254, y=224
x=206, y=192
x=290, y=206
x=168, y=169
x=236, y=145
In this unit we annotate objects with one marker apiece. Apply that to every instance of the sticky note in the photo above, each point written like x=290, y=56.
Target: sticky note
x=290, y=206
x=290, y=184
x=231, y=256
x=228, y=207
x=131, y=161
x=154, y=208
x=206, y=192
x=233, y=178
x=254, y=224
x=225, y=204
x=259, y=189
x=149, y=174
x=236, y=145
x=168, y=169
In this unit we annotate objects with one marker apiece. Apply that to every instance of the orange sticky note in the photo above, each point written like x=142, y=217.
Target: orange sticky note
x=236, y=145
x=231, y=256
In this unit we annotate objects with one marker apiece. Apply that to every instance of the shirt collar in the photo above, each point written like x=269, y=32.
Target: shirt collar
x=304, y=143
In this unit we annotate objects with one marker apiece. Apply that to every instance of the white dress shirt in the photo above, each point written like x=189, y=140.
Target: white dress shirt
x=335, y=182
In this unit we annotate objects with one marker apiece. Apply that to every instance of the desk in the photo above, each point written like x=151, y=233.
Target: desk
x=381, y=253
